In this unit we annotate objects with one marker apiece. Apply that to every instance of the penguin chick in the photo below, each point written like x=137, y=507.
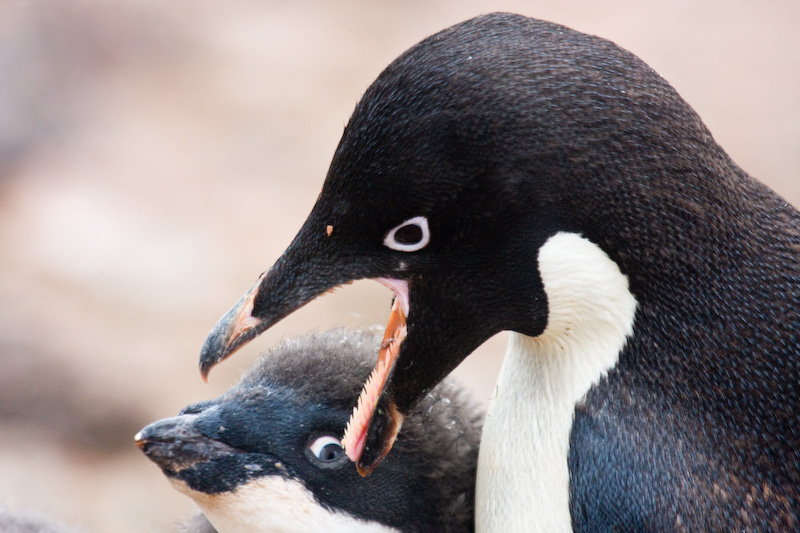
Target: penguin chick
x=267, y=455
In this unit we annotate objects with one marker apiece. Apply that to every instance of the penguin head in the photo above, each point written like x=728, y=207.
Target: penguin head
x=267, y=455
x=462, y=159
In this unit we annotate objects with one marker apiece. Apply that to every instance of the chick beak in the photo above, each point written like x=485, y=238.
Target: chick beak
x=176, y=444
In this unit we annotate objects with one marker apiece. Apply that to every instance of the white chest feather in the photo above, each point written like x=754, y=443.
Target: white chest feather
x=523, y=479
x=273, y=504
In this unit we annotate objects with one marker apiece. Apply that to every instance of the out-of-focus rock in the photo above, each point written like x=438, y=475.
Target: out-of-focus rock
x=41, y=394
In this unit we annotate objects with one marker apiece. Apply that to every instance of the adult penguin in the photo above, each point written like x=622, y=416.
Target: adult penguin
x=266, y=455
x=513, y=174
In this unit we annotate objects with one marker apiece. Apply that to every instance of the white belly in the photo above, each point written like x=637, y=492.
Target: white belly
x=523, y=478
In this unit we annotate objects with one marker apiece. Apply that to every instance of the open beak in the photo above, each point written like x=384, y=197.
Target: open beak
x=376, y=413
x=313, y=265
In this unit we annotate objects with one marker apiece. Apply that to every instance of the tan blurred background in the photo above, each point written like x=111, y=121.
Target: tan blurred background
x=155, y=157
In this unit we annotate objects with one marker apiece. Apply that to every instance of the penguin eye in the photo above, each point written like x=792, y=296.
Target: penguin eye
x=326, y=451
x=410, y=236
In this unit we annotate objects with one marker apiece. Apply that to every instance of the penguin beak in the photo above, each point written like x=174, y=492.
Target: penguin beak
x=301, y=274
x=416, y=354
x=414, y=357
x=235, y=329
x=274, y=296
x=376, y=413
x=175, y=444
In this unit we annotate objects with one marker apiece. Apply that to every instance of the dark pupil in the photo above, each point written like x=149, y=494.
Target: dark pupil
x=330, y=452
x=410, y=234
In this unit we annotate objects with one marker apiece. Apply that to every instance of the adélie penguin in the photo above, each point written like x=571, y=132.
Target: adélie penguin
x=513, y=174
x=267, y=456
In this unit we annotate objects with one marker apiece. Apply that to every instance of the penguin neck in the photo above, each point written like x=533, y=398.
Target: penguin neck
x=523, y=475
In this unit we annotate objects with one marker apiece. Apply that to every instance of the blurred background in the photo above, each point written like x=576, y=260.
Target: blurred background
x=155, y=157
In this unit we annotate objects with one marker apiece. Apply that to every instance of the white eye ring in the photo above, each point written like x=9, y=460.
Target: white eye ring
x=318, y=445
x=390, y=241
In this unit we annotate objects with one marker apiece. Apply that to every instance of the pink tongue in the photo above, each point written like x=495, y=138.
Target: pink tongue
x=356, y=433
x=400, y=290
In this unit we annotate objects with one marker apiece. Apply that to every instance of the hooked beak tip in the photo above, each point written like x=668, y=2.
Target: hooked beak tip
x=364, y=471
x=235, y=329
x=371, y=458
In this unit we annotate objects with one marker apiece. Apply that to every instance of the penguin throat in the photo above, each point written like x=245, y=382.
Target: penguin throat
x=356, y=432
x=526, y=479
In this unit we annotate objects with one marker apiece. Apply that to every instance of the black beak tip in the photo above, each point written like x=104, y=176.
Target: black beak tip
x=174, y=443
x=371, y=457
x=382, y=432
x=218, y=347
x=234, y=330
x=208, y=359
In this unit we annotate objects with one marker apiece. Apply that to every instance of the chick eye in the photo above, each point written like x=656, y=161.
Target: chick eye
x=326, y=450
x=410, y=236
